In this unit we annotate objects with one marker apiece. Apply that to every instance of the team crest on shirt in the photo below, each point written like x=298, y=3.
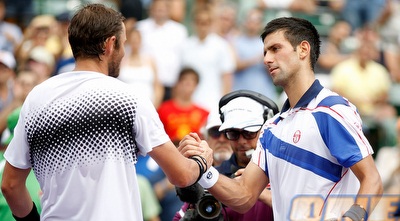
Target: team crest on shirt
x=296, y=136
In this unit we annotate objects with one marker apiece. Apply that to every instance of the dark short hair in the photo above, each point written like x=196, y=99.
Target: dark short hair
x=90, y=27
x=296, y=30
x=188, y=70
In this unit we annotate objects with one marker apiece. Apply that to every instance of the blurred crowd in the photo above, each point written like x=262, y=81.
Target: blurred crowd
x=186, y=54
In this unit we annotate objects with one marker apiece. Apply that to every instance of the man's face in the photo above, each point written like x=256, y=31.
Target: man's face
x=203, y=24
x=245, y=141
x=220, y=145
x=280, y=58
x=159, y=10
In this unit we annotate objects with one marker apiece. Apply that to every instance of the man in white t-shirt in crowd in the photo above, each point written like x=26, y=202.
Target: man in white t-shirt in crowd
x=162, y=39
x=212, y=57
x=81, y=133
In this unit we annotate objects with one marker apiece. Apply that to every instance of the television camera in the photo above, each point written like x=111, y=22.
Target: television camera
x=201, y=204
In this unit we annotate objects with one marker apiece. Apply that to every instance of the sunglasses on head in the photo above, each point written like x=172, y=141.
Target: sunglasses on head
x=215, y=133
x=232, y=134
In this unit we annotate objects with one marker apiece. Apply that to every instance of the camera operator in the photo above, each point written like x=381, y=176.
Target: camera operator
x=242, y=117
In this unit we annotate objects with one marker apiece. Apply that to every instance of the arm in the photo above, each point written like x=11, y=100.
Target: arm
x=392, y=62
x=241, y=193
x=265, y=196
x=242, y=64
x=158, y=87
x=180, y=170
x=370, y=184
x=227, y=79
x=15, y=191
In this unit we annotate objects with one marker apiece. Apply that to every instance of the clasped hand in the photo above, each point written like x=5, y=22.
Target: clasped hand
x=192, y=145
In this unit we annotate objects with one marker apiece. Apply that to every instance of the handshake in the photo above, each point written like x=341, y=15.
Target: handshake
x=191, y=146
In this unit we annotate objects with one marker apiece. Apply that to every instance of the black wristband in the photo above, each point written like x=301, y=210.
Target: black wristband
x=356, y=213
x=32, y=216
x=204, y=161
x=202, y=170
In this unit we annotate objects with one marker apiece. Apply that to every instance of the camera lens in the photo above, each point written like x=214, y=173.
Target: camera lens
x=208, y=207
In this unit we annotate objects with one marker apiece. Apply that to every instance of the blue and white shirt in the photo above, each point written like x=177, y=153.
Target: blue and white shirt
x=307, y=152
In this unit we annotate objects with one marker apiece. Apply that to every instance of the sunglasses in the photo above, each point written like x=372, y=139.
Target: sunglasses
x=235, y=134
x=215, y=133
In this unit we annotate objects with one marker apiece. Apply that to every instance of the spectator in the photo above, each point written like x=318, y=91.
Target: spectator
x=41, y=31
x=307, y=6
x=334, y=49
x=242, y=116
x=212, y=57
x=217, y=140
x=162, y=39
x=132, y=10
x=40, y=61
x=180, y=115
x=7, y=67
x=366, y=83
x=177, y=10
x=22, y=85
x=389, y=29
x=250, y=72
x=242, y=113
x=139, y=70
x=10, y=33
x=360, y=13
x=226, y=21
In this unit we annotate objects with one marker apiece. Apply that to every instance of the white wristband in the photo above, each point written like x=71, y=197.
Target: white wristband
x=209, y=178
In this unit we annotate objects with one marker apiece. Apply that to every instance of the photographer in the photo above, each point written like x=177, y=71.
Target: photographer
x=242, y=113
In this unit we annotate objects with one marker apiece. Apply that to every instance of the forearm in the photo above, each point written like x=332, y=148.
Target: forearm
x=185, y=174
x=227, y=79
x=180, y=169
x=266, y=197
x=233, y=194
x=15, y=191
x=370, y=190
x=369, y=194
x=18, y=200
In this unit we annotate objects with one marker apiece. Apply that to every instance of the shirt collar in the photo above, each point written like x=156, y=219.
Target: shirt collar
x=310, y=94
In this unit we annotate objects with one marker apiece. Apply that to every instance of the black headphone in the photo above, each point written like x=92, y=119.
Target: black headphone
x=270, y=106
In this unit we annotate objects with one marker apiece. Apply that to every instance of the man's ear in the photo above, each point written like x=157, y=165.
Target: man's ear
x=304, y=49
x=109, y=45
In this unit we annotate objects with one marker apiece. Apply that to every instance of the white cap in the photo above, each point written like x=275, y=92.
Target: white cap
x=213, y=119
x=243, y=113
x=42, y=55
x=8, y=59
